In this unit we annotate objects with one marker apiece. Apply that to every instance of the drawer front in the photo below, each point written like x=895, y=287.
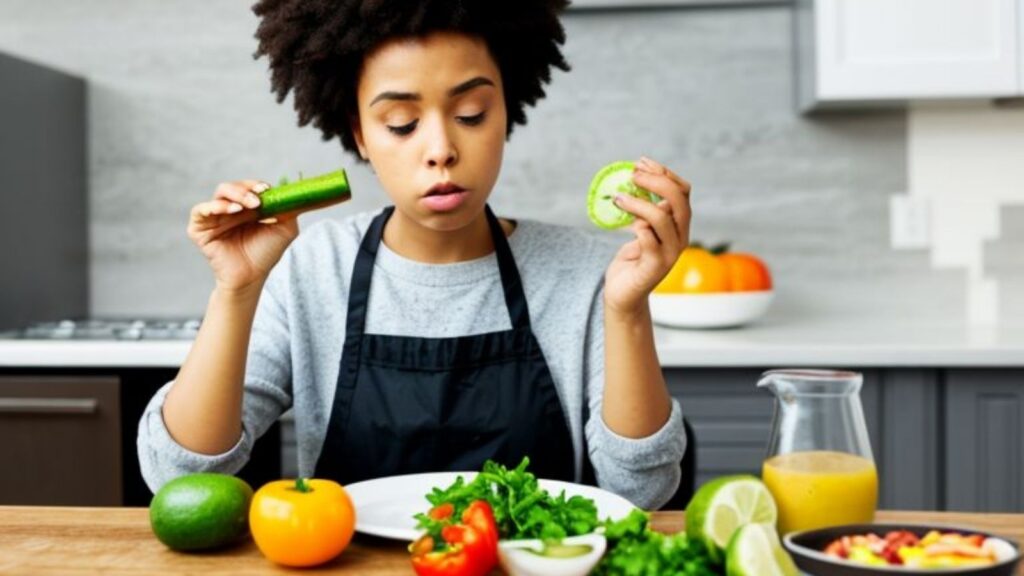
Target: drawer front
x=61, y=441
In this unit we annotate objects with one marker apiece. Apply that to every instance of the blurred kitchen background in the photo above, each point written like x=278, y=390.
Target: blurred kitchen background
x=176, y=104
x=870, y=151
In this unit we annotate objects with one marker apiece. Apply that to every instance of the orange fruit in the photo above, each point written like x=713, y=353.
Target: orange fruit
x=696, y=271
x=747, y=272
x=301, y=522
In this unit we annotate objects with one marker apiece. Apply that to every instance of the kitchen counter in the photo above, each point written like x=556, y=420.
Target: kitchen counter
x=37, y=540
x=774, y=342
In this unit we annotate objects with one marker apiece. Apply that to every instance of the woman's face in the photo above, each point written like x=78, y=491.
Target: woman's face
x=432, y=112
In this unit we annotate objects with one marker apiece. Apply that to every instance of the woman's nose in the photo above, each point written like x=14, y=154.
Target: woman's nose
x=442, y=150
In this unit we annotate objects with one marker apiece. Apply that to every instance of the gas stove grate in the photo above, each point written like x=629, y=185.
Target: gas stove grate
x=109, y=329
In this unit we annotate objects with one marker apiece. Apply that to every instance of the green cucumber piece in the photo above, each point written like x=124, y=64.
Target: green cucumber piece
x=316, y=191
x=615, y=178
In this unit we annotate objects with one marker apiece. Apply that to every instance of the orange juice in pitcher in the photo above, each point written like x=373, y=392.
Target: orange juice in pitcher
x=821, y=488
x=819, y=469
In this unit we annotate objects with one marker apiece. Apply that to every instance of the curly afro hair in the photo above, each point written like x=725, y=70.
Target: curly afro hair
x=316, y=48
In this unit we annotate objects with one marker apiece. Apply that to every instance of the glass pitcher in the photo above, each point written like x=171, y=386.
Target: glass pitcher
x=819, y=466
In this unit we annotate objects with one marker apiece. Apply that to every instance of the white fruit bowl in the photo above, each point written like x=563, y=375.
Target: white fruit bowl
x=712, y=310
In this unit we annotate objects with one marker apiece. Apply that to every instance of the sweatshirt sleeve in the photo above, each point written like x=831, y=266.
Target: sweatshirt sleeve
x=646, y=470
x=266, y=395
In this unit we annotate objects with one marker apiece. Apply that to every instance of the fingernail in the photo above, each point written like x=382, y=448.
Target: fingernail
x=268, y=221
x=234, y=208
x=252, y=200
x=261, y=188
x=619, y=198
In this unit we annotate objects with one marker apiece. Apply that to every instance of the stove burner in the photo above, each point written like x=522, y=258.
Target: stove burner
x=109, y=329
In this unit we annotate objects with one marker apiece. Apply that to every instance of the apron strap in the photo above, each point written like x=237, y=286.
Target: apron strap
x=511, y=283
x=362, y=273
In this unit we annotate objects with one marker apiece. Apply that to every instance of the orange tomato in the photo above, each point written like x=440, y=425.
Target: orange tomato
x=696, y=271
x=747, y=273
x=301, y=522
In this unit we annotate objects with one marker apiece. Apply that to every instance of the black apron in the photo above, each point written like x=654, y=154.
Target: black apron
x=405, y=405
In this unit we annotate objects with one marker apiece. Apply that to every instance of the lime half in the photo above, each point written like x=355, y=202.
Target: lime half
x=615, y=178
x=755, y=551
x=723, y=506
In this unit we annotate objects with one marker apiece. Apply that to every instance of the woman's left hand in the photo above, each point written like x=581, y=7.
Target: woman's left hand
x=662, y=233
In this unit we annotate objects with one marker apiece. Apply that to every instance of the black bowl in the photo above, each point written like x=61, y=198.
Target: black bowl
x=807, y=551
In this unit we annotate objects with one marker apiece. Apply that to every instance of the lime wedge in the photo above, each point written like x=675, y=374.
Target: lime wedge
x=723, y=506
x=755, y=551
x=615, y=178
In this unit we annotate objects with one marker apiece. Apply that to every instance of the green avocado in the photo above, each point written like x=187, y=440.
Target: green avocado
x=201, y=511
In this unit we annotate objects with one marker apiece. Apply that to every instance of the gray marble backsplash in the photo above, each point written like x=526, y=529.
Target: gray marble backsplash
x=177, y=104
x=1004, y=259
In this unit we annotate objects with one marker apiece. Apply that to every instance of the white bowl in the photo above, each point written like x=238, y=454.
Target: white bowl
x=516, y=559
x=712, y=310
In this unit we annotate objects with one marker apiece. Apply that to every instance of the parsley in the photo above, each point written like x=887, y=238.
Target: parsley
x=636, y=550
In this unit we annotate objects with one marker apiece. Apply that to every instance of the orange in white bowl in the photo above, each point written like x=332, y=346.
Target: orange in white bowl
x=710, y=310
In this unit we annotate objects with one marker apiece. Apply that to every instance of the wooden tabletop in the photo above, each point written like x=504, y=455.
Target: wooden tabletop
x=38, y=541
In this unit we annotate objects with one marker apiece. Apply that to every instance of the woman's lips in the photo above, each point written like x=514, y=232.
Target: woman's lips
x=445, y=202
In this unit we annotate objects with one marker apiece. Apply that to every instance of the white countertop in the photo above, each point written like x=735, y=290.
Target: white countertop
x=837, y=342
x=833, y=341
x=92, y=353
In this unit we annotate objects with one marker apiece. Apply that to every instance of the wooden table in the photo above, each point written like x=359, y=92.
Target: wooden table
x=39, y=540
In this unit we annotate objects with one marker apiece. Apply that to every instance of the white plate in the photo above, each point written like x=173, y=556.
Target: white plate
x=385, y=506
x=713, y=310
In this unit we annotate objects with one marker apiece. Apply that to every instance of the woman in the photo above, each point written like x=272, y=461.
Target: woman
x=433, y=335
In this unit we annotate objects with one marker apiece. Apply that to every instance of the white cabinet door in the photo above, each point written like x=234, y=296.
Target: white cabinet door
x=904, y=49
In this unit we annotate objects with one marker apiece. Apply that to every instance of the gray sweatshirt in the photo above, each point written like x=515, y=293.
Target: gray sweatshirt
x=299, y=329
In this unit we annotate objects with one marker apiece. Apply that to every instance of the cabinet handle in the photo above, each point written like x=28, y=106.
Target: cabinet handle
x=48, y=405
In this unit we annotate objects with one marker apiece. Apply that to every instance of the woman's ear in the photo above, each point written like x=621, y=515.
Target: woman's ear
x=357, y=134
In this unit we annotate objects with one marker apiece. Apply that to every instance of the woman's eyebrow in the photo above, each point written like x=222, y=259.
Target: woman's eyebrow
x=460, y=89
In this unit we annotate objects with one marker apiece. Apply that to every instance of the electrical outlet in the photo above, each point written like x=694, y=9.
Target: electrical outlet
x=909, y=222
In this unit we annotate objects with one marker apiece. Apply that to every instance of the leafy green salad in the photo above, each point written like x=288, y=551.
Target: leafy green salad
x=523, y=510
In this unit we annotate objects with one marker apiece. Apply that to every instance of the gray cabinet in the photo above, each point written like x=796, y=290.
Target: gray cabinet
x=984, y=439
x=906, y=438
x=61, y=440
x=731, y=419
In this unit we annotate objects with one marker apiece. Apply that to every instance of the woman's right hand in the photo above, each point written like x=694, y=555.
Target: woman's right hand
x=241, y=248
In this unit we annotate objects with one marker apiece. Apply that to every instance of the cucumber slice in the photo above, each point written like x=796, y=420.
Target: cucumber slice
x=615, y=178
x=317, y=191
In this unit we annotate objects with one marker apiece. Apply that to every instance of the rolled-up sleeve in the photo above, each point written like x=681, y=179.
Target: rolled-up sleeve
x=266, y=395
x=646, y=470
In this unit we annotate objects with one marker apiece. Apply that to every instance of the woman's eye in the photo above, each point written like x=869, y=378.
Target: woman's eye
x=471, y=120
x=404, y=130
